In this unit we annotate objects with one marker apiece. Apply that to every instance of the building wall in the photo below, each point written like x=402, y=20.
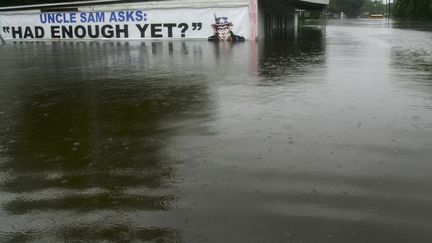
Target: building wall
x=85, y=7
x=166, y=4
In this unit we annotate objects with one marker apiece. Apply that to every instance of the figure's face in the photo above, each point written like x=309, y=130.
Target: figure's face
x=223, y=32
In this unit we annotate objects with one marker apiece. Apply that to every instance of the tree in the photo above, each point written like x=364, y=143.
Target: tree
x=413, y=9
x=373, y=7
x=351, y=8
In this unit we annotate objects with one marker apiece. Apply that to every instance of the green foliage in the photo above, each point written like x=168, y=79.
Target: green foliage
x=352, y=8
x=402, y=9
x=373, y=7
x=413, y=9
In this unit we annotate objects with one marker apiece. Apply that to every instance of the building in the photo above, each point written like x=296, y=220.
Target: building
x=102, y=19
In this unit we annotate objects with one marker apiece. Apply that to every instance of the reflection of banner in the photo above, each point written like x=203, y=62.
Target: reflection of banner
x=145, y=24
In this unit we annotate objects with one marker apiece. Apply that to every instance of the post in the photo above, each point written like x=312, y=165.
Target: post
x=323, y=20
x=253, y=19
x=389, y=9
x=296, y=17
x=2, y=40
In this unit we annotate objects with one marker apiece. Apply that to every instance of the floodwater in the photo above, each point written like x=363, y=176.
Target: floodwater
x=319, y=138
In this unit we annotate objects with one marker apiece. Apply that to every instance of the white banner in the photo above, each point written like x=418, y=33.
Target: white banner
x=212, y=23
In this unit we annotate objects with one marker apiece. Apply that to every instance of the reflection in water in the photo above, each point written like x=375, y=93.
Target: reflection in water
x=412, y=56
x=85, y=135
x=311, y=139
x=284, y=59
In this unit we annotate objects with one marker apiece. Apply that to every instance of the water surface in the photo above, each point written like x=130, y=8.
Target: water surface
x=319, y=138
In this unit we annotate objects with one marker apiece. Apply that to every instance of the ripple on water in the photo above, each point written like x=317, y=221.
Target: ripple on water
x=321, y=179
x=38, y=226
x=164, y=202
x=371, y=206
x=90, y=220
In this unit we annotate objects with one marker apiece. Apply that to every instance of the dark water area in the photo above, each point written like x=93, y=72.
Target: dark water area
x=318, y=138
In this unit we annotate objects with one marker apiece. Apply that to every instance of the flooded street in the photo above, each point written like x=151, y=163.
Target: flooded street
x=319, y=138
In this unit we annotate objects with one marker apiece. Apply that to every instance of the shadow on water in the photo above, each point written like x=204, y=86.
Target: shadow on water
x=84, y=138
